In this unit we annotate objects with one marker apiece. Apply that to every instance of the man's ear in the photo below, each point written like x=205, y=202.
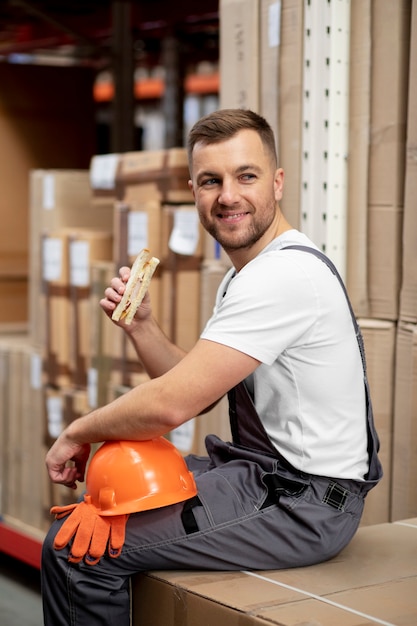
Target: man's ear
x=190, y=187
x=279, y=183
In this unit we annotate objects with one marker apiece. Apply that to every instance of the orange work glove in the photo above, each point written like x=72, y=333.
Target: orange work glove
x=91, y=531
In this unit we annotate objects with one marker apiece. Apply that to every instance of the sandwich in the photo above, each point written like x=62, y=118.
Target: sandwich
x=136, y=287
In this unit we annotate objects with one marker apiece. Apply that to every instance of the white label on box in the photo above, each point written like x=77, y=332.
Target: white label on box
x=185, y=234
x=48, y=192
x=52, y=258
x=79, y=263
x=103, y=170
x=36, y=371
x=182, y=436
x=274, y=24
x=55, y=416
x=137, y=232
x=92, y=387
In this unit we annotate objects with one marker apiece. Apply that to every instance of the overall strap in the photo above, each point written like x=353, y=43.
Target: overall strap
x=375, y=470
x=333, y=269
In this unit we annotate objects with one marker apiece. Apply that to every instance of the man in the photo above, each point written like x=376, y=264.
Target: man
x=289, y=491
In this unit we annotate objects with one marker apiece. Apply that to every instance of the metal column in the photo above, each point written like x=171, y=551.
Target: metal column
x=173, y=98
x=123, y=130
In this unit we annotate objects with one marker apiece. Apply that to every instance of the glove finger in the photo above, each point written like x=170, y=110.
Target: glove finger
x=117, y=535
x=82, y=537
x=68, y=529
x=61, y=511
x=99, y=539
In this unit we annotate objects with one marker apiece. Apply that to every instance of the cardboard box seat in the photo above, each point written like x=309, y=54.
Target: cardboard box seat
x=372, y=581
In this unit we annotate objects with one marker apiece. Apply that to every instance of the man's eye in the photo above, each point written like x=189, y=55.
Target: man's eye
x=209, y=182
x=247, y=177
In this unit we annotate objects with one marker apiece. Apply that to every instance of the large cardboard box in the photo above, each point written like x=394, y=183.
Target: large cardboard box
x=290, y=103
x=390, y=34
x=408, y=299
x=372, y=581
x=239, y=54
x=404, y=457
x=21, y=430
x=269, y=40
x=379, y=338
x=358, y=163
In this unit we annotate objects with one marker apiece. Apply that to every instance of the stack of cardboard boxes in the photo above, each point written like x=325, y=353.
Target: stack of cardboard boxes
x=381, y=176
x=84, y=224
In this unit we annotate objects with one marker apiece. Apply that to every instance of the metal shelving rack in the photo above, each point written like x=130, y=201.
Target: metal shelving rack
x=325, y=126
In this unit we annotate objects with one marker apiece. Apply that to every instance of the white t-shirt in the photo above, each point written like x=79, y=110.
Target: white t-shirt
x=288, y=310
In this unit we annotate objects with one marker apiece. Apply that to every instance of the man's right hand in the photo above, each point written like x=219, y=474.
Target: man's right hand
x=113, y=294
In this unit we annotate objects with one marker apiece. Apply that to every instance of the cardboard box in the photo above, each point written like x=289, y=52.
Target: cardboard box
x=404, y=458
x=239, y=54
x=55, y=309
x=100, y=360
x=137, y=225
x=21, y=430
x=84, y=248
x=181, y=257
x=390, y=34
x=13, y=292
x=372, y=581
x=269, y=40
x=408, y=299
x=61, y=407
x=290, y=104
x=358, y=164
x=150, y=175
x=384, y=261
x=379, y=338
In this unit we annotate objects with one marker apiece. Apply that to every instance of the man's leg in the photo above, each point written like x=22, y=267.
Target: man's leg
x=233, y=525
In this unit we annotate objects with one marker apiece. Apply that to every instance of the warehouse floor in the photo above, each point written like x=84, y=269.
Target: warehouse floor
x=20, y=599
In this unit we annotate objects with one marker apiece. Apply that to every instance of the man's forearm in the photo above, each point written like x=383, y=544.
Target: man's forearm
x=155, y=351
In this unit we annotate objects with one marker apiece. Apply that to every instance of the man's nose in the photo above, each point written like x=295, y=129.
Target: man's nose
x=229, y=193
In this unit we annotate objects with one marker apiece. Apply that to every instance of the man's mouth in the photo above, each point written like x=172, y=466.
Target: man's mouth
x=230, y=217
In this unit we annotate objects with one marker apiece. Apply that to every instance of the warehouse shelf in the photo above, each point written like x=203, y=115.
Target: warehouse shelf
x=21, y=541
x=153, y=88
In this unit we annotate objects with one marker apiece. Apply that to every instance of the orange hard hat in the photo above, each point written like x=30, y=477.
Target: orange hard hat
x=130, y=476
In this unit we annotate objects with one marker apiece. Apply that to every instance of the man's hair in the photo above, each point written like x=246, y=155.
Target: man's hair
x=224, y=124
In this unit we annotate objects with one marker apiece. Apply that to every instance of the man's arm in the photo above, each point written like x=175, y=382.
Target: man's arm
x=155, y=351
x=153, y=408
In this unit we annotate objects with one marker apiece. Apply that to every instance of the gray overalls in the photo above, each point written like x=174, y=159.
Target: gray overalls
x=253, y=511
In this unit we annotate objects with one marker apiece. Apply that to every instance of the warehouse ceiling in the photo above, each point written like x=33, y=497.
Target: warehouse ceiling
x=83, y=29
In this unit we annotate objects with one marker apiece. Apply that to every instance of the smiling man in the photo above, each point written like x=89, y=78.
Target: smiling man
x=282, y=343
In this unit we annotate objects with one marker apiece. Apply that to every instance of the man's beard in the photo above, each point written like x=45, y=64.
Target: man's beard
x=248, y=238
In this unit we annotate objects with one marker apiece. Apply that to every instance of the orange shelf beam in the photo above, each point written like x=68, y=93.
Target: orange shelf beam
x=153, y=88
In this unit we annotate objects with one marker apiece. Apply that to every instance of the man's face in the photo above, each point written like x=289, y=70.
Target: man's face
x=236, y=189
